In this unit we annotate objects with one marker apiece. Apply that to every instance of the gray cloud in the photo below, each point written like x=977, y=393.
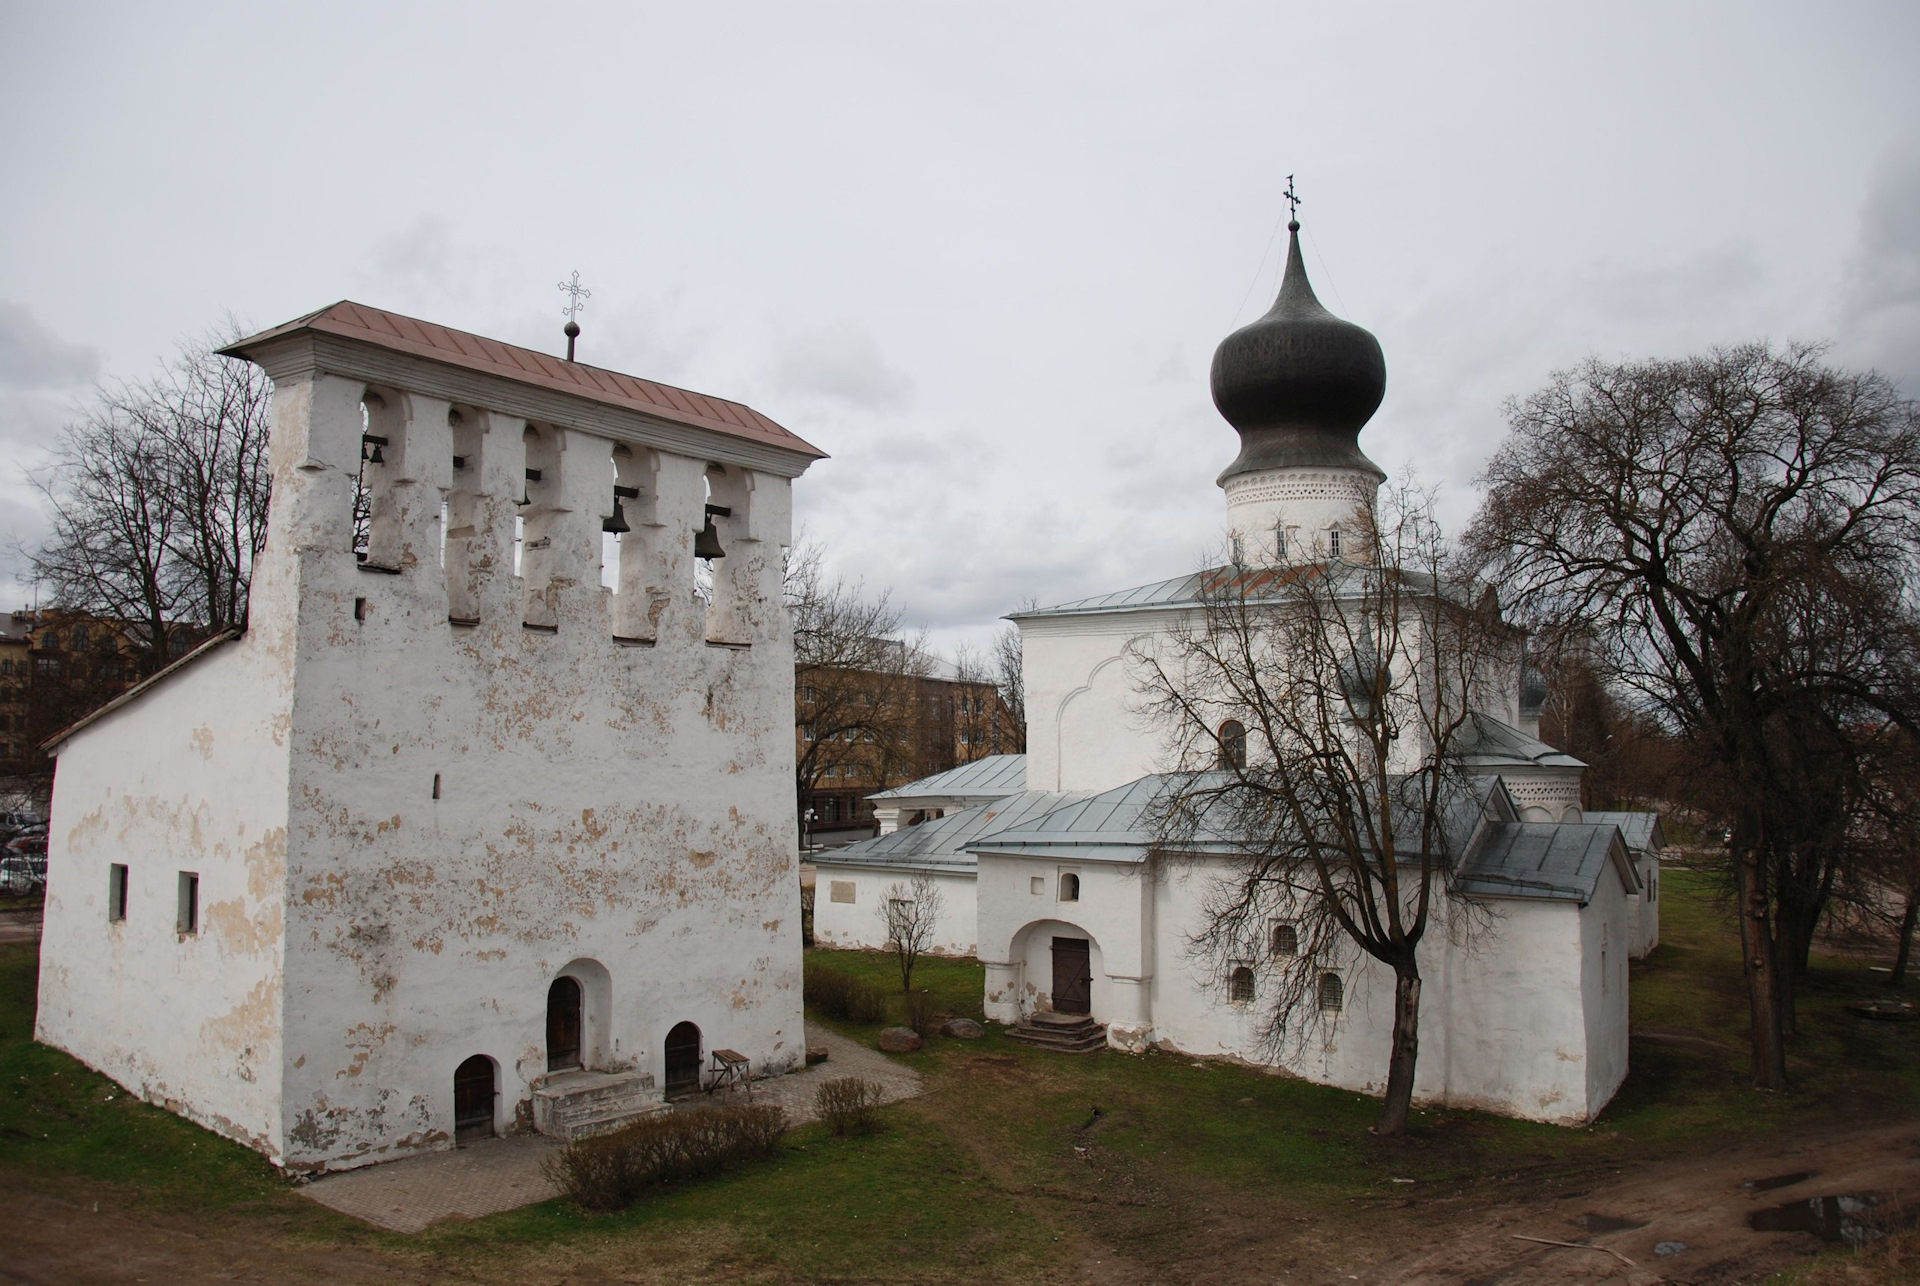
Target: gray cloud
x=1880, y=304
x=34, y=358
x=841, y=361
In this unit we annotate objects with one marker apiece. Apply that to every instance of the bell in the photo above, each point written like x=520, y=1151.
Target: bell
x=617, y=524
x=706, y=542
x=376, y=457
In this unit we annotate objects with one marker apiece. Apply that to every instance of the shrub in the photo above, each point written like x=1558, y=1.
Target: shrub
x=849, y=1105
x=841, y=995
x=920, y=1014
x=608, y=1171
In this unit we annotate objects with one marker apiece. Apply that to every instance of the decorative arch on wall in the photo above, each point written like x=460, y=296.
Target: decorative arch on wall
x=1060, y=711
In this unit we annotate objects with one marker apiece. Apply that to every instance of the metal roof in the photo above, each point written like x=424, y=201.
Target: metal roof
x=419, y=338
x=1491, y=743
x=1556, y=861
x=989, y=778
x=1641, y=830
x=1194, y=588
x=941, y=844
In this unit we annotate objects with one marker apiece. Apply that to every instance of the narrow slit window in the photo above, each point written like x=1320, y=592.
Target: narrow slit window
x=117, y=892
x=1333, y=542
x=188, y=919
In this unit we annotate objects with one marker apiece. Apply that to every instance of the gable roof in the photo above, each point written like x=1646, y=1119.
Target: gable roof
x=990, y=777
x=410, y=335
x=1488, y=743
x=942, y=844
x=1193, y=588
x=1557, y=861
x=1641, y=830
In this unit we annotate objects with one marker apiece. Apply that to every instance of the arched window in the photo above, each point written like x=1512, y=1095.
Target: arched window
x=1240, y=986
x=1286, y=940
x=1233, y=744
x=1069, y=887
x=1332, y=996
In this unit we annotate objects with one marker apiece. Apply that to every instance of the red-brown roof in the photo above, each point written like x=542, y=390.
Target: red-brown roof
x=478, y=353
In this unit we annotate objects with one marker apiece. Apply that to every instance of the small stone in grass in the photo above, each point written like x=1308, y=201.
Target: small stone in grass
x=962, y=1029
x=1668, y=1247
x=899, y=1040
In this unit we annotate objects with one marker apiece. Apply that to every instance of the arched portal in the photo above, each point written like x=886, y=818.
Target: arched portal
x=563, y=1024
x=475, y=1088
x=683, y=1059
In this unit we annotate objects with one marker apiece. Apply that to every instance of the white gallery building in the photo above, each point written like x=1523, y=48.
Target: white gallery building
x=1054, y=883
x=454, y=838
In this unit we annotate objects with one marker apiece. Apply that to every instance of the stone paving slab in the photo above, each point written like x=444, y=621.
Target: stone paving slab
x=493, y=1175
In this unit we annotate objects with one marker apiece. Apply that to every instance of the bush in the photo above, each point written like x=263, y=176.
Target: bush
x=920, y=1014
x=608, y=1171
x=849, y=1105
x=841, y=995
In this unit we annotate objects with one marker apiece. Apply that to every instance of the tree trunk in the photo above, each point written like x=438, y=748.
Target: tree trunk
x=1406, y=1049
x=1905, y=948
x=1769, y=1049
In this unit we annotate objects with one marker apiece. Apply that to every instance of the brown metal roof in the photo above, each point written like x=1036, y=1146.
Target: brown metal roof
x=477, y=353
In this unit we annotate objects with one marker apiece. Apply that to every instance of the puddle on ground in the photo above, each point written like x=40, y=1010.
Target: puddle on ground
x=1609, y=1223
x=1778, y=1181
x=1845, y=1218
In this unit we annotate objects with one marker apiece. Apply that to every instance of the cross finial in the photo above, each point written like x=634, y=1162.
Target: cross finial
x=577, y=295
x=1293, y=209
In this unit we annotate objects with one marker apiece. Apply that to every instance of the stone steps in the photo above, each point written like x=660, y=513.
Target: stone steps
x=572, y=1105
x=1062, y=1033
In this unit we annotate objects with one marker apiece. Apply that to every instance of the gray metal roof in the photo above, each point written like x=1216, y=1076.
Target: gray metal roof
x=1641, y=830
x=941, y=844
x=1111, y=826
x=1556, y=861
x=1190, y=590
x=1490, y=743
x=990, y=778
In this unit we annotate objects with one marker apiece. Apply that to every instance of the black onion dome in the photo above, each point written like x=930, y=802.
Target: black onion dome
x=1299, y=383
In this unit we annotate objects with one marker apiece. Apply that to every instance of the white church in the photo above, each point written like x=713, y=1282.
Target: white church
x=1046, y=862
x=485, y=822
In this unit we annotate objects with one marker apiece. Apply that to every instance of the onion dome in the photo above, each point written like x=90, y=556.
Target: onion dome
x=1299, y=383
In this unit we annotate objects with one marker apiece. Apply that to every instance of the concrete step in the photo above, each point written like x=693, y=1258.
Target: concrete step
x=572, y=1104
x=1062, y=1033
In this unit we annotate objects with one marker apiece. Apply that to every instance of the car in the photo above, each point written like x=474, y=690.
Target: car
x=19, y=874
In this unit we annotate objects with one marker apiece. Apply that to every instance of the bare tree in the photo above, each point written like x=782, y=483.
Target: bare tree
x=910, y=913
x=1007, y=666
x=856, y=685
x=1746, y=523
x=1317, y=712
x=158, y=497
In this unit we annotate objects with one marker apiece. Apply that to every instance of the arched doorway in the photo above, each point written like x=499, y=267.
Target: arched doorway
x=563, y=1024
x=473, y=1094
x=683, y=1059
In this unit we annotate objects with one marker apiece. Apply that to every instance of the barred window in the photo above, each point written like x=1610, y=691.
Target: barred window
x=1286, y=940
x=1240, y=985
x=1332, y=997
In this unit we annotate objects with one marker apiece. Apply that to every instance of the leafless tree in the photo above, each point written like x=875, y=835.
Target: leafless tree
x=910, y=913
x=1007, y=666
x=1746, y=525
x=158, y=497
x=1318, y=711
x=856, y=684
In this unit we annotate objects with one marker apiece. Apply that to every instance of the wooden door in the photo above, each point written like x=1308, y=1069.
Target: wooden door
x=563, y=1024
x=1072, y=976
x=683, y=1059
x=473, y=1093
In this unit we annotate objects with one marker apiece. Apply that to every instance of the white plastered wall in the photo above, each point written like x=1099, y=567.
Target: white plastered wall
x=857, y=924
x=189, y=776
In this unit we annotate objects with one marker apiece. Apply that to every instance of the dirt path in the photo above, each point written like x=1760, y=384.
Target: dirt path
x=1700, y=1202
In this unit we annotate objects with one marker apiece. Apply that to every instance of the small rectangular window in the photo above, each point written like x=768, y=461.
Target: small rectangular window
x=1333, y=542
x=188, y=920
x=117, y=892
x=1038, y=885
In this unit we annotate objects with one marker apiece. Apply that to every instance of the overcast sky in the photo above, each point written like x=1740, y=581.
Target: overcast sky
x=979, y=253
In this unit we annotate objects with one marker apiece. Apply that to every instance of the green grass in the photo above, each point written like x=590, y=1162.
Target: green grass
x=1003, y=1169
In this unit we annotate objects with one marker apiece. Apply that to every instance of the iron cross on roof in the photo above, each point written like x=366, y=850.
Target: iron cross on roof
x=577, y=295
x=1293, y=208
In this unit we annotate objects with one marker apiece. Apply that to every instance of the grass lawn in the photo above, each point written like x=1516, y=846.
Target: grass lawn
x=1003, y=1169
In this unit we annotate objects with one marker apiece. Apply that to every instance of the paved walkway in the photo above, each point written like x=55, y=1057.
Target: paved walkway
x=487, y=1177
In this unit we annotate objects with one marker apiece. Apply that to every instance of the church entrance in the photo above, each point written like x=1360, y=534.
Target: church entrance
x=1072, y=976
x=563, y=1024
x=683, y=1059
x=473, y=1093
